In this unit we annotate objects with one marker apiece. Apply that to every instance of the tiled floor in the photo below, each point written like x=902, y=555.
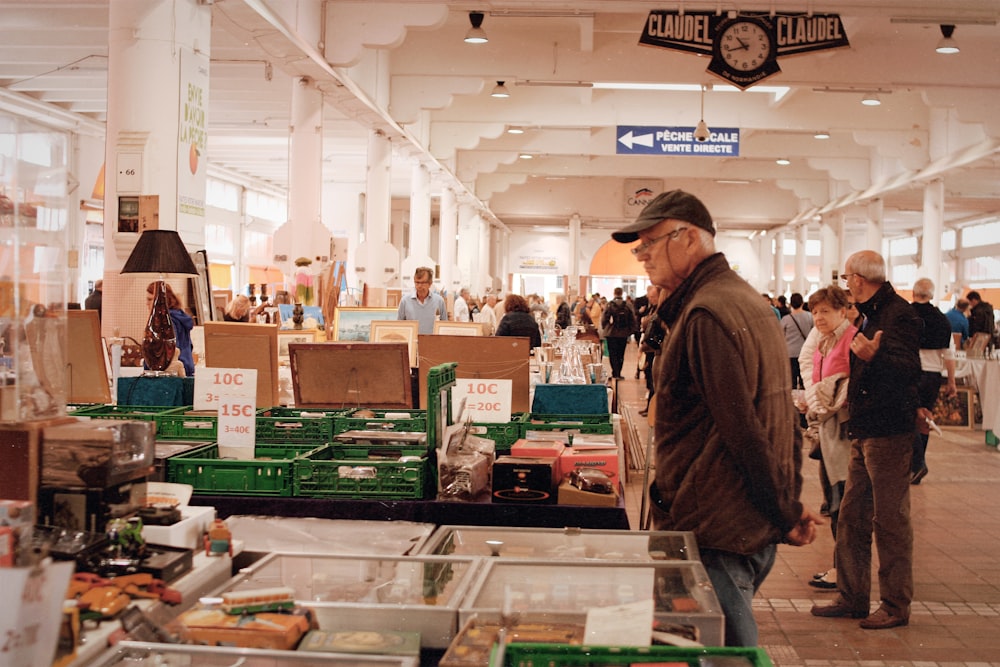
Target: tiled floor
x=956, y=612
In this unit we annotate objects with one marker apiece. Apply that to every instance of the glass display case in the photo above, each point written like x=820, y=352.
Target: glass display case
x=34, y=213
x=566, y=543
x=562, y=591
x=407, y=593
x=141, y=654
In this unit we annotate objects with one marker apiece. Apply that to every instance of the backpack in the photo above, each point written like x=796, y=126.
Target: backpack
x=622, y=319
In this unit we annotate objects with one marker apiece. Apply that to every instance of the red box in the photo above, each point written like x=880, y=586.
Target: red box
x=542, y=449
x=605, y=460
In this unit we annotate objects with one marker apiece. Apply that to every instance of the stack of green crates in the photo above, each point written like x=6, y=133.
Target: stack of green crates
x=601, y=423
x=346, y=471
x=395, y=421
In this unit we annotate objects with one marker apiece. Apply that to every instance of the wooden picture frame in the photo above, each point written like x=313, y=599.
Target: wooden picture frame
x=87, y=379
x=285, y=337
x=955, y=412
x=240, y=345
x=445, y=328
x=334, y=376
x=479, y=357
x=397, y=331
x=354, y=324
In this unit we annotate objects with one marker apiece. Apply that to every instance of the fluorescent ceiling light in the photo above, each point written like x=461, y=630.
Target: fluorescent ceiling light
x=513, y=129
x=526, y=156
x=822, y=134
x=871, y=100
x=777, y=91
x=783, y=161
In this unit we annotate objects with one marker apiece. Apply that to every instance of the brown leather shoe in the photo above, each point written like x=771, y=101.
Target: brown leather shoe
x=882, y=619
x=838, y=609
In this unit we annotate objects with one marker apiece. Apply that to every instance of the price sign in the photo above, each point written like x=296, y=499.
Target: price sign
x=481, y=400
x=210, y=385
x=237, y=423
x=32, y=612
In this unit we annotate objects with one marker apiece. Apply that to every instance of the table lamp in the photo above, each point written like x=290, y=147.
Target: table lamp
x=159, y=251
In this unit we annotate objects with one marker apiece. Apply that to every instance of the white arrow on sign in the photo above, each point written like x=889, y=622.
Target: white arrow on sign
x=641, y=139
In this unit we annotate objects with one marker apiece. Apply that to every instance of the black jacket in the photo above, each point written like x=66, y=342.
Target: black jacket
x=882, y=394
x=517, y=323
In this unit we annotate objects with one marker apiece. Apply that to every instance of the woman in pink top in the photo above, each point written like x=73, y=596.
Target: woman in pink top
x=826, y=398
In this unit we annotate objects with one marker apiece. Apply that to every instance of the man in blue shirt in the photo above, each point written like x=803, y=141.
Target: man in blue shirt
x=958, y=316
x=422, y=305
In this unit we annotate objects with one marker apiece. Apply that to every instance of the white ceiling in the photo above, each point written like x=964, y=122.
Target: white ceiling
x=402, y=67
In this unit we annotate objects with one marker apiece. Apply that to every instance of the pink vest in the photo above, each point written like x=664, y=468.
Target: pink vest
x=838, y=360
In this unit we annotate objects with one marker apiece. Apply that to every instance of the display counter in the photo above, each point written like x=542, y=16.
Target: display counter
x=423, y=511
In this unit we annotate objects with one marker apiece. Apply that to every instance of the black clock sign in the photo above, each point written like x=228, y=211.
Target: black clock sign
x=743, y=52
x=744, y=47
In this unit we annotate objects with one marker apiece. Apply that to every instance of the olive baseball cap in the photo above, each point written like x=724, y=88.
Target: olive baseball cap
x=673, y=205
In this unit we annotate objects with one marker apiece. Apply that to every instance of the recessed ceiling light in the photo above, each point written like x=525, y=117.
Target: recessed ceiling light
x=783, y=161
x=871, y=100
x=526, y=156
x=822, y=134
x=513, y=129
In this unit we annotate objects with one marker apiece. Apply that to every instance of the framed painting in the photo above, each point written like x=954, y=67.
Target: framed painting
x=396, y=331
x=312, y=316
x=87, y=365
x=955, y=412
x=458, y=328
x=300, y=336
x=354, y=324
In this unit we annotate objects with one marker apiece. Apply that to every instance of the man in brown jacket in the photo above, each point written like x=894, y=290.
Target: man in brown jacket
x=728, y=449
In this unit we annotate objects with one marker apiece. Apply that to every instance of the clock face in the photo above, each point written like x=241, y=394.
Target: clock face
x=745, y=46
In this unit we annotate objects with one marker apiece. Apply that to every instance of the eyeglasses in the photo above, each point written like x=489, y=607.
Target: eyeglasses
x=421, y=282
x=646, y=245
x=846, y=276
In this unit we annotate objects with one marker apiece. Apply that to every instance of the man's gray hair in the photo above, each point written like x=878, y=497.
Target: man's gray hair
x=923, y=288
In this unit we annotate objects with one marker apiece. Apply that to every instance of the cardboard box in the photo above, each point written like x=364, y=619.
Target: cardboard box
x=97, y=453
x=605, y=460
x=519, y=480
x=570, y=495
x=543, y=449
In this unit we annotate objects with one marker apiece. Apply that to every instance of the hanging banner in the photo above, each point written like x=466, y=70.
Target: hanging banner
x=192, y=140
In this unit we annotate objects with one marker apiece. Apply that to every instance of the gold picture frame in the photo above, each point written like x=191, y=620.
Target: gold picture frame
x=445, y=328
x=354, y=324
x=397, y=331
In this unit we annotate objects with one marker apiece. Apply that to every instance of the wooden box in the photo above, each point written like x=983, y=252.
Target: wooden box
x=21, y=453
x=345, y=375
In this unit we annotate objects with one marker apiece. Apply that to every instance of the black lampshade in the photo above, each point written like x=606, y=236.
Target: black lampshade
x=159, y=251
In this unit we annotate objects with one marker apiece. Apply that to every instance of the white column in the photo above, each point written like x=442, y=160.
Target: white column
x=573, y=266
x=765, y=259
x=157, y=116
x=801, y=284
x=305, y=170
x=831, y=249
x=378, y=197
x=875, y=228
x=930, y=242
x=481, y=275
x=420, y=212
x=449, y=226
x=779, y=263
x=467, y=245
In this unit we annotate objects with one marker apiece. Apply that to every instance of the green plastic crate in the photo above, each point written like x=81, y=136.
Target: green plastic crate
x=415, y=421
x=439, y=378
x=504, y=435
x=566, y=655
x=322, y=473
x=184, y=426
x=578, y=423
x=269, y=473
x=134, y=412
x=291, y=425
x=991, y=439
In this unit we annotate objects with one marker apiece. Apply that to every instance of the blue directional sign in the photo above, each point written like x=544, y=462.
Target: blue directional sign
x=639, y=140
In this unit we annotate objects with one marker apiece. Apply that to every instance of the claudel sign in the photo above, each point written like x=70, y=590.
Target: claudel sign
x=744, y=47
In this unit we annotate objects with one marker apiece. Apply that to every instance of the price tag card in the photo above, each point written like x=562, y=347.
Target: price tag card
x=481, y=400
x=237, y=425
x=211, y=383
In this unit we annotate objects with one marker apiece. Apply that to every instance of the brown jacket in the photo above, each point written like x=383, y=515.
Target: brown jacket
x=728, y=446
